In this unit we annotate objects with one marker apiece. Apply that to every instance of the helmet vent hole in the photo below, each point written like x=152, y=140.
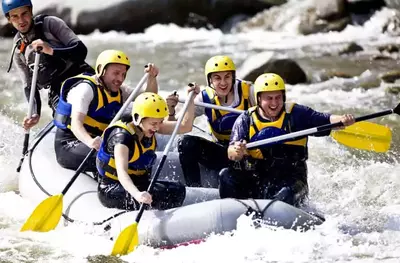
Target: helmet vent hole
x=157, y=110
x=216, y=64
x=226, y=64
x=276, y=83
x=119, y=56
x=146, y=98
x=154, y=100
x=266, y=83
x=165, y=108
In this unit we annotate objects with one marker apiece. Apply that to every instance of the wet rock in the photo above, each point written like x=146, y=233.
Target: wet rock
x=310, y=23
x=351, y=48
x=288, y=69
x=381, y=57
x=393, y=90
x=389, y=48
x=391, y=76
x=332, y=9
x=392, y=26
x=393, y=4
x=135, y=16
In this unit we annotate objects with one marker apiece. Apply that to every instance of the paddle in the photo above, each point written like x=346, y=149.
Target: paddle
x=329, y=127
x=30, y=108
x=128, y=239
x=48, y=213
x=361, y=135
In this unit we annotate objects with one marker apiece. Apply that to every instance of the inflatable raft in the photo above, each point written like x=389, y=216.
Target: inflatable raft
x=41, y=176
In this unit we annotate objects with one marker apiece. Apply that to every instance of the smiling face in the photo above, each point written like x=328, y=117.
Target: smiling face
x=114, y=75
x=21, y=18
x=150, y=126
x=222, y=82
x=271, y=102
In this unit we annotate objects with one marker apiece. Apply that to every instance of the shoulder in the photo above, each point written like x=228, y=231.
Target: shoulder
x=53, y=20
x=81, y=91
x=16, y=37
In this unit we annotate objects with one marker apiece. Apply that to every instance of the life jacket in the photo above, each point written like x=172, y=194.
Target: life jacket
x=290, y=150
x=141, y=158
x=221, y=122
x=102, y=109
x=51, y=68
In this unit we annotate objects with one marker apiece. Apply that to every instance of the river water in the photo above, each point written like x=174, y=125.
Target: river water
x=357, y=190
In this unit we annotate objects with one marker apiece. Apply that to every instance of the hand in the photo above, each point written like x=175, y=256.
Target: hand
x=151, y=69
x=347, y=119
x=95, y=143
x=193, y=87
x=238, y=151
x=172, y=101
x=30, y=122
x=44, y=46
x=143, y=197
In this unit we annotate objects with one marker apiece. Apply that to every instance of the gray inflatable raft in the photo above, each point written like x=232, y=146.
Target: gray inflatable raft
x=202, y=213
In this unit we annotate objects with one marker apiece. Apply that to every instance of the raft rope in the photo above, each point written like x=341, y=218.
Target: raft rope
x=257, y=212
x=38, y=138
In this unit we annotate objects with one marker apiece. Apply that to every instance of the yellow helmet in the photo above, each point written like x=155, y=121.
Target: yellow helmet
x=149, y=105
x=217, y=64
x=108, y=57
x=268, y=82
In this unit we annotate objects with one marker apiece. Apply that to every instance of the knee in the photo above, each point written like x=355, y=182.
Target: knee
x=227, y=184
x=187, y=144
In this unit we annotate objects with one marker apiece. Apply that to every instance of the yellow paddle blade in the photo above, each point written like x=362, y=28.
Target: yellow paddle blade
x=365, y=136
x=127, y=241
x=46, y=215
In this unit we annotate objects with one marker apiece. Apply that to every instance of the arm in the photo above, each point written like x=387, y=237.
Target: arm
x=121, y=153
x=80, y=98
x=187, y=122
x=239, y=136
x=152, y=85
x=73, y=48
x=305, y=118
x=186, y=125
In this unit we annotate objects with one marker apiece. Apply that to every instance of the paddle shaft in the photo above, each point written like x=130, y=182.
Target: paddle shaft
x=30, y=108
x=116, y=118
x=216, y=107
x=165, y=153
x=315, y=130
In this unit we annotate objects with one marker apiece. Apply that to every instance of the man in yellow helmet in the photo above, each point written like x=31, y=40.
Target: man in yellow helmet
x=223, y=89
x=87, y=105
x=277, y=171
x=127, y=155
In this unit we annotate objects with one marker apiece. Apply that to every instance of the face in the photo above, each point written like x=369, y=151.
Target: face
x=113, y=76
x=271, y=102
x=150, y=126
x=21, y=18
x=222, y=82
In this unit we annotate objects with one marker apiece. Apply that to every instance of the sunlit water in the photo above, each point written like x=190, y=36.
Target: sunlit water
x=357, y=191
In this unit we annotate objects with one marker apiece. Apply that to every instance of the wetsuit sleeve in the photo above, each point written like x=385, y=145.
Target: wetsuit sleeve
x=240, y=129
x=119, y=136
x=26, y=78
x=306, y=118
x=73, y=49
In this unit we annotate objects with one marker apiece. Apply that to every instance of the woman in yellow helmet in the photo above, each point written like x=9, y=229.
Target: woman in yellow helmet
x=127, y=155
x=277, y=171
x=87, y=105
x=223, y=89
